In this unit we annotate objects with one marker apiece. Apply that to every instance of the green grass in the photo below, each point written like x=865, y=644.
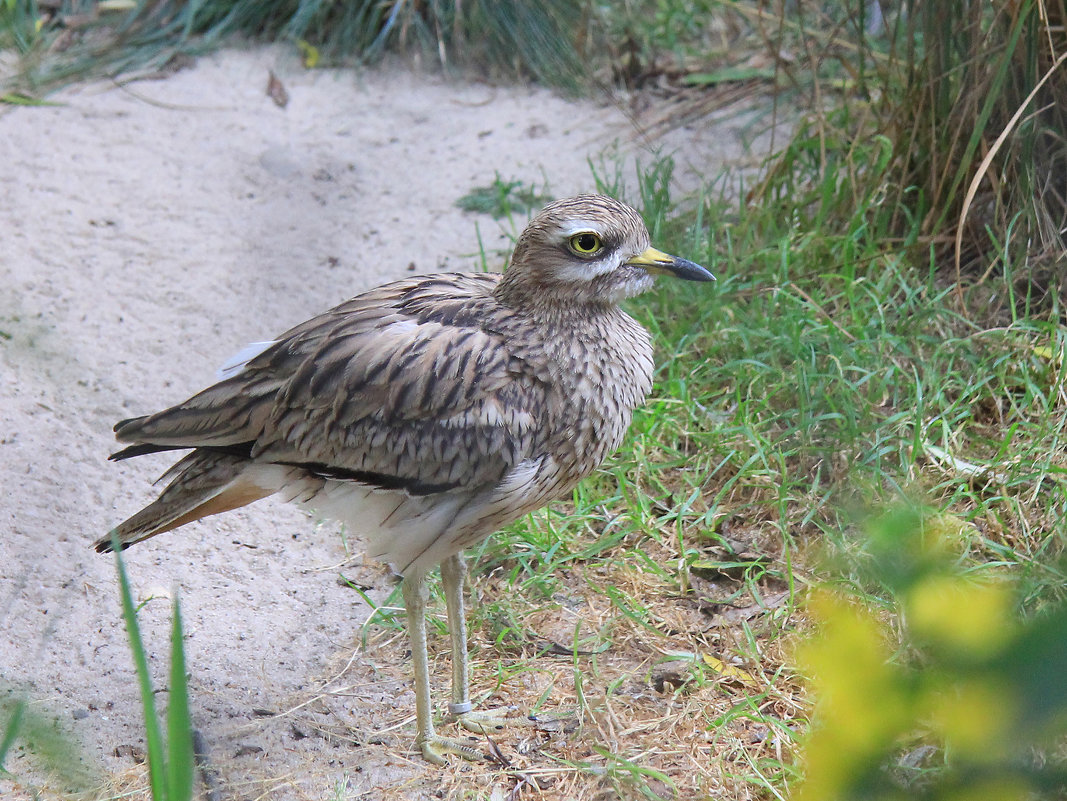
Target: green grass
x=56, y=758
x=512, y=38
x=824, y=376
x=171, y=767
x=504, y=198
x=171, y=760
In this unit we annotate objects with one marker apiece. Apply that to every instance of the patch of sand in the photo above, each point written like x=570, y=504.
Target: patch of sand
x=149, y=233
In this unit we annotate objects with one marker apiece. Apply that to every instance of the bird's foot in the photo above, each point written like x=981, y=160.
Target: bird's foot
x=486, y=721
x=437, y=748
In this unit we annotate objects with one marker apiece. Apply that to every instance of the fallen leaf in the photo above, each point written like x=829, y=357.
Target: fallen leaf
x=729, y=672
x=496, y=755
x=311, y=54
x=276, y=90
x=1048, y=354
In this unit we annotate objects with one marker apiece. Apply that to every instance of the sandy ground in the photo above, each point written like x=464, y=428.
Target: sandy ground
x=148, y=233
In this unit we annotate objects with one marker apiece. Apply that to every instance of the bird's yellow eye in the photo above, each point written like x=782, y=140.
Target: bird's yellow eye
x=585, y=243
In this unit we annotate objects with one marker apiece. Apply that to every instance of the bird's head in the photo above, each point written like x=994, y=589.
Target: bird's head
x=588, y=249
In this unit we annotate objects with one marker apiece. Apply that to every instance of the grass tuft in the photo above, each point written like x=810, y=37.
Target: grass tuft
x=171, y=766
x=60, y=43
x=826, y=373
x=504, y=198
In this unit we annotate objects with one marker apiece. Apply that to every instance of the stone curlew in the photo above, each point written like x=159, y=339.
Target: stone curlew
x=429, y=412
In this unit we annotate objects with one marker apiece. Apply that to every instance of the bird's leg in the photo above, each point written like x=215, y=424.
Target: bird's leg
x=453, y=571
x=433, y=746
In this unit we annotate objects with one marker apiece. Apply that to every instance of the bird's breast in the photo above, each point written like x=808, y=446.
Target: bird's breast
x=601, y=372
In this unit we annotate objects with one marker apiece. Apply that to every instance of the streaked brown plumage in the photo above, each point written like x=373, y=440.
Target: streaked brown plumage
x=429, y=412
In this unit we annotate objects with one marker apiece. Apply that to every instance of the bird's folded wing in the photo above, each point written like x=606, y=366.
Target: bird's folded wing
x=405, y=387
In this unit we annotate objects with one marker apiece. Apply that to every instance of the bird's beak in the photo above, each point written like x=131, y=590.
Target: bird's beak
x=657, y=262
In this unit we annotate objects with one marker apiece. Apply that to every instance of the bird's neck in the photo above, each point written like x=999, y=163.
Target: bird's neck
x=551, y=302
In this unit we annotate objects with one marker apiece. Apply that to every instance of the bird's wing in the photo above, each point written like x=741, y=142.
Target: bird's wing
x=408, y=386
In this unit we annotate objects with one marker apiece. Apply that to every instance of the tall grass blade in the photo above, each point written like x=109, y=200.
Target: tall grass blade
x=153, y=736
x=180, y=761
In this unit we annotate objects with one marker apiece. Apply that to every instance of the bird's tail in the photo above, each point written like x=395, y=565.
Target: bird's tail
x=204, y=483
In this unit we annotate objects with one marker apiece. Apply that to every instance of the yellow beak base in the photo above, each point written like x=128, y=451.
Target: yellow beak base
x=657, y=262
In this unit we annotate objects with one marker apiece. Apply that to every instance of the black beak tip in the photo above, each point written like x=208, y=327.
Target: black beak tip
x=690, y=271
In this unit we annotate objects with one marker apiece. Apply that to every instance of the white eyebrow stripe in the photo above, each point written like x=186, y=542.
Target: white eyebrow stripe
x=580, y=227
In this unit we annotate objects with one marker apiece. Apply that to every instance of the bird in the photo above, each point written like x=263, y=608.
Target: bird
x=428, y=413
